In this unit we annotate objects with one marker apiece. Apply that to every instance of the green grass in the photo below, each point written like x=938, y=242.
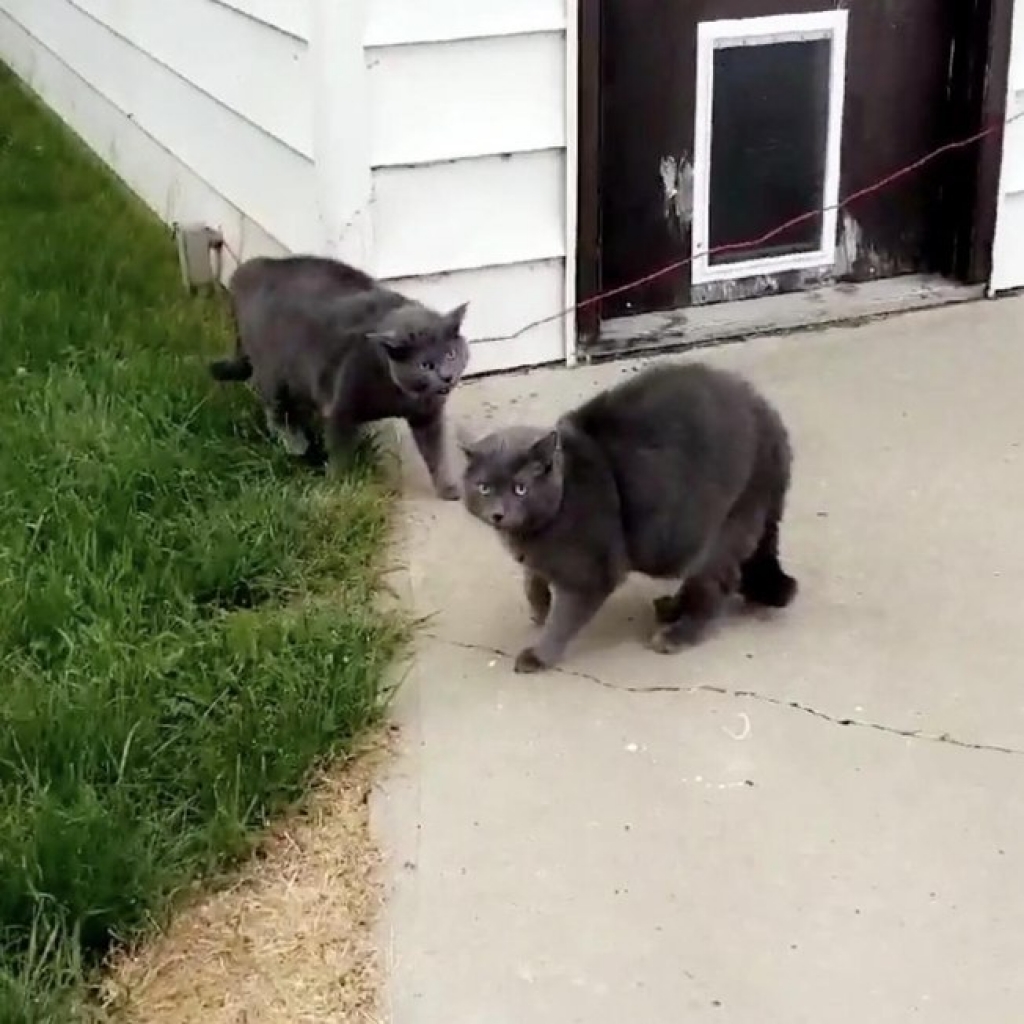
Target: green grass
x=187, y=621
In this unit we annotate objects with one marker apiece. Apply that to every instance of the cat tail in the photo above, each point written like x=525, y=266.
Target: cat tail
x=763, y=581
x=238, y=368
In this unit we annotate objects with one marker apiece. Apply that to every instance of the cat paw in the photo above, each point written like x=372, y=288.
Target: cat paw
x=672, y=638
x=662, y=643
x=447, y=491
x=666, y=609
x=527, y=661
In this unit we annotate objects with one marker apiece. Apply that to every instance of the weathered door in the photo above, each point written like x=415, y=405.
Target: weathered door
x=721, y=120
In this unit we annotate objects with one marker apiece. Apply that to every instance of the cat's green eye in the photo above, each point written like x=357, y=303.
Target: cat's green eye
x=520, y=489
x=484, y=488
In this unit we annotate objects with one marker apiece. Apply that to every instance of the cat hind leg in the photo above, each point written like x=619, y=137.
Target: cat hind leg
x=282, y=426
x=289, y=425
x=669, y=607
x=684, y=617
x=694, y=609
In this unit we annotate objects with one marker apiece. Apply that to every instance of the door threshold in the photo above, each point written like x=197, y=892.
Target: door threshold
x=845, y=303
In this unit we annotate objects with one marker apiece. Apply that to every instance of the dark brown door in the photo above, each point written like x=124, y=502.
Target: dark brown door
x=763, y=132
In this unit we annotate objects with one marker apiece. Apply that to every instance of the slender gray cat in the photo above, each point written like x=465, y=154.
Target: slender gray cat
x=327, y=346
x=678, y=473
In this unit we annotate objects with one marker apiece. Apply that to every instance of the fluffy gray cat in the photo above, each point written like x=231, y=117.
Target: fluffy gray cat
x=679, y=473
x=327, y=346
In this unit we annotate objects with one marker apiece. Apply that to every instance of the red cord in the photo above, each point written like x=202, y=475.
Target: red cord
x=853, y=197
x=877, y=186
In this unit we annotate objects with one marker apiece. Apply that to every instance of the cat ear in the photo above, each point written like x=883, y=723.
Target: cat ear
x=544, y=451
x=393, y=344
x=453, y=320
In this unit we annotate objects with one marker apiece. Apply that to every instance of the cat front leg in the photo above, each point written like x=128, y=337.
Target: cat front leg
x=538, y=596
x=340, y=434
x=570, y=612
x=430, y=438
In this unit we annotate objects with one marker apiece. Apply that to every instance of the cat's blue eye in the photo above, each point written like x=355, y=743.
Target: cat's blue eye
x=484, y=488
x=520, y=489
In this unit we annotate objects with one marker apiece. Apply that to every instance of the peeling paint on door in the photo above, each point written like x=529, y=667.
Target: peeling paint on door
x=760, y=285
x=849, y=245
x=858, y=257
x=677, y=182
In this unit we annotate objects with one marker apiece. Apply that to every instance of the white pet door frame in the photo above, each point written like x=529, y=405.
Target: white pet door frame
x=713, y=36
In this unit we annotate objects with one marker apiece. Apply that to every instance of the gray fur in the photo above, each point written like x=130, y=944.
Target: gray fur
x=325, y=345
x=678, y=473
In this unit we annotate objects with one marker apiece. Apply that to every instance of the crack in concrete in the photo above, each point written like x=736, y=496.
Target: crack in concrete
x=789, y=705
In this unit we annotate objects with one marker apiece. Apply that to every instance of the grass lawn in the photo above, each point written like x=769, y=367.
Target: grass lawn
x=187, y=623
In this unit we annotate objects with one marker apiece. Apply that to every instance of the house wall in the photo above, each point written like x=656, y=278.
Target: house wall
x=431, y=142
x=1008, y=246
x=197, y=136
x=472, y=108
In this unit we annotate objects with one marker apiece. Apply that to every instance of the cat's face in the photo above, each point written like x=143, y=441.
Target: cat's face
x=514, y=479
x=426, y=351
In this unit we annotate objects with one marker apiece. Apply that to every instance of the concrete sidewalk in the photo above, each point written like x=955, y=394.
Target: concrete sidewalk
x=817, y=818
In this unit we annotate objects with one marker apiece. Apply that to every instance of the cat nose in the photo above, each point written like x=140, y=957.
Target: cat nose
x=497, y=516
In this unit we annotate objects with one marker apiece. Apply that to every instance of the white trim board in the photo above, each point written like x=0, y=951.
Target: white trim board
x=716, y=35
x=572, y=120
x=342, y=131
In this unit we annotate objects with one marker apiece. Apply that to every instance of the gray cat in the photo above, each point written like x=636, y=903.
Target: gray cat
x=326, y=345
x=679, y=473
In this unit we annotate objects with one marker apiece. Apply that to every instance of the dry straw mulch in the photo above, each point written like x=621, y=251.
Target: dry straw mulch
x=290, y=941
